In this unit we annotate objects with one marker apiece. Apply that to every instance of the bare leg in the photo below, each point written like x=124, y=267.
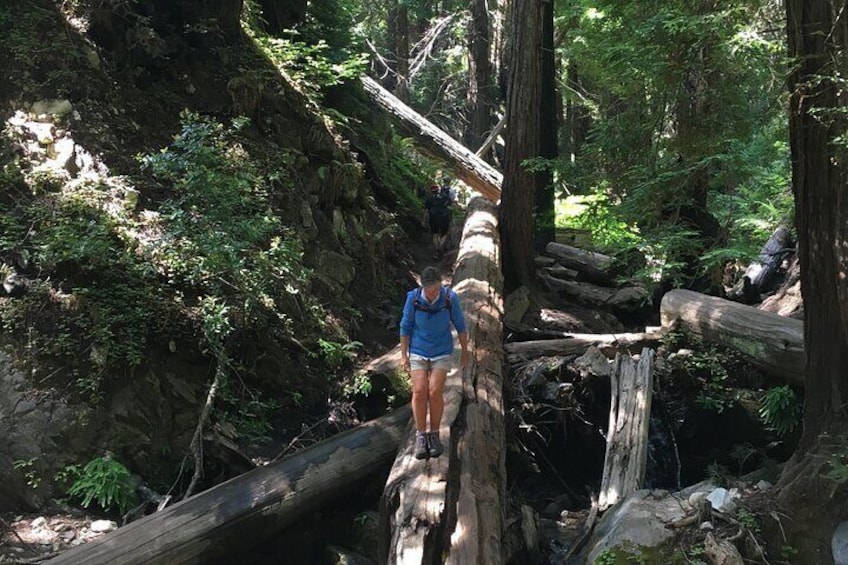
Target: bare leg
x=419, y=399
x=437, y=400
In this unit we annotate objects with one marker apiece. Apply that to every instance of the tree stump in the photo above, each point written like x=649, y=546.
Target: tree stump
x=631, y=389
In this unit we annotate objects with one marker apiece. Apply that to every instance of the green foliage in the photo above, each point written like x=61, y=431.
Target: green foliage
x=309, y=65
x=781, y=410
x=708, y=365
x=336, y=354
x=622, y=556
x=749, y=520
x=682, y=101
x=103, y=480
x=594, y=212
x=246, y=410
x=27, y=467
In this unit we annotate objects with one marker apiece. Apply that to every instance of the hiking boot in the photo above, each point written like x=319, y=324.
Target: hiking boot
x=421, y=448
x=436, y=447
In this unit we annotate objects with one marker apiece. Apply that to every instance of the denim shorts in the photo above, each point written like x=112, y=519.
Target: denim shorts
x=419, y=363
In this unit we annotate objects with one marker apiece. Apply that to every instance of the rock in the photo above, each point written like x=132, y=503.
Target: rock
x=92, y=57
x=39, y=522
x=101, y=526
x=41, y=132
x=337, y=268
x=696, y=498
x=639, y=519
x=722, y=500
x=48, y=107
x=763, y=486
x=839, y=544
x=516, y=304
x=630, y=297
x=707, y=526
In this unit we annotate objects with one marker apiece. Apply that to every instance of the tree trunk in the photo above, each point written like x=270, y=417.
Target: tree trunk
x=397, y=27
x=773, y=343
x=548, y=126
x=250, y=508
x=450, y=509
x=608, y=344
x=229, y=18
x=469, y=168
x=761, y=273
x=522, y=142
x=818, y=43
x=481, y=87
x=631, y=390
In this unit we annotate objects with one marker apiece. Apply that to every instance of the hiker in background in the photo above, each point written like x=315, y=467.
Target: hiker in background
x=437, y=207
x=426, y=348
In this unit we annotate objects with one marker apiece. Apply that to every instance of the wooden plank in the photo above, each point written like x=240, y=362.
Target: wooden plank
x=773, y=343
x=467, y=166
x=631, y=390
x=250, y=508
x=450, y=509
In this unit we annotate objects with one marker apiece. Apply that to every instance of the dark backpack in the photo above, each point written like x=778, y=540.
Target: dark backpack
x=420, y=303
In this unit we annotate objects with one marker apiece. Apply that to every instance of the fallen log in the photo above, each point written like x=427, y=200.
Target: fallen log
x=631, y=390
x=430, y=514
x=590, y=266
x=250, y=508
x=773, y=343
x=609, y=344
x=467, y=166
x=626, y=299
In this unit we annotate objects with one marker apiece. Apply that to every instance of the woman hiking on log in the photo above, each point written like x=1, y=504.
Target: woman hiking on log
x=426, y=347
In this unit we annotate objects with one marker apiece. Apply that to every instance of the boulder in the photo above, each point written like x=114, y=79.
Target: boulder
x=839, y=544
x=640, y=520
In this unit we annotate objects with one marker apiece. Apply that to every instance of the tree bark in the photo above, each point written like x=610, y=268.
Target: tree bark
x=397, y=27
x=481, y=87
x=229, y=18
x=818, y=44
x=469, y=168
x=631, y=390
x=450, y=509
x=773, y=343
x=522, y=142
x=250, y=508
x=548, y=127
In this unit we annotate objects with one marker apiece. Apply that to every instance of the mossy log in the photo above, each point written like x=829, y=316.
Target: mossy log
x=450, y=509
x=773, y=343
x=467, y=166
x=250, y=508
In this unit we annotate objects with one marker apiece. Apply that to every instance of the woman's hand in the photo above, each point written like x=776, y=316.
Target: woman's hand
x=404, y=363
x=463, y=359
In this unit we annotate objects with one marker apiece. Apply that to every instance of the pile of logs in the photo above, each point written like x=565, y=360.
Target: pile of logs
x=589, y=278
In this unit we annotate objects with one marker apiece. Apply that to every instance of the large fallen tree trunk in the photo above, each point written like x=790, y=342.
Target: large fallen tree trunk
x=450, y=509
x=629, y=298
x=590, y=266
x=250, y=508
x=773, y=343
x=609, y=344
x=467, y=166
x=631, y=390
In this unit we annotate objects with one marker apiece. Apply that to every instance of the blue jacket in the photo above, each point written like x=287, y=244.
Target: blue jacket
x=428, y=326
